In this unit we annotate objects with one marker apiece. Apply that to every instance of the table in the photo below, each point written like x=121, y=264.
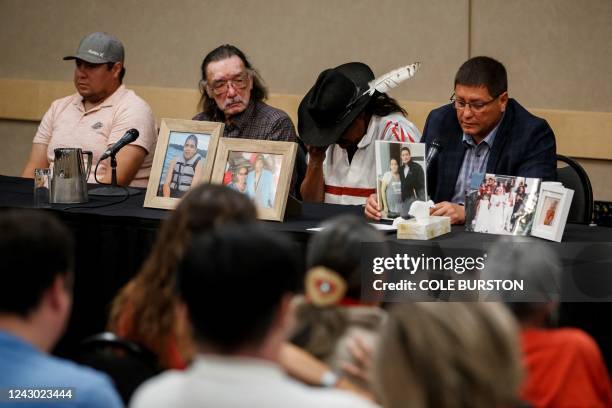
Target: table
x=113, y=241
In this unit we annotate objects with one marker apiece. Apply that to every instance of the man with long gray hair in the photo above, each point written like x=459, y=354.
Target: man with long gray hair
x=233, y=93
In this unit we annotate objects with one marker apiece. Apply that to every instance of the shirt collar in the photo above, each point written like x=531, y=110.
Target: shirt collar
x=243, y=117
x=234, y=367
x=8, y=338
x=367, y=138
x=489, y=139
x=110, y=101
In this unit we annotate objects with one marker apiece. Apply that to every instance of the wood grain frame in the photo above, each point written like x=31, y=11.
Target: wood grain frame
x=214, y=129
x=286, y=149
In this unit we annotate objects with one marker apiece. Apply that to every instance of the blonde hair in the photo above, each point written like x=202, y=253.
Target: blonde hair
x=448, y=355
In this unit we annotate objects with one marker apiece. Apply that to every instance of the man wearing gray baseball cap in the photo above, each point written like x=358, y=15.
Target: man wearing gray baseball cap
x=98, y=115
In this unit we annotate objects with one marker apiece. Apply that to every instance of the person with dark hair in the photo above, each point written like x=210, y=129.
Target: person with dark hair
x=35, y=302
x=332, y=317
x=145, y=309
x=412, y=177
x=238, y=341
x=340, y=123
x=239, y=177
x=481, y=131
x=233, y=92
x=184, y=172
x=98, y=115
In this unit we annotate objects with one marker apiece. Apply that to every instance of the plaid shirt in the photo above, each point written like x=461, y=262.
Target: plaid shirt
x=258, y=121
x=474, y=161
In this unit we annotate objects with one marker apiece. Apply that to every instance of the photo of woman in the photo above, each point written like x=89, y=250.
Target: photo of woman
x=239, y=180
x=391, y=190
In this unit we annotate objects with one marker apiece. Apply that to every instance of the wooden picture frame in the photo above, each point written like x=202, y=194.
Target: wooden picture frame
x=552, y=211
x=260, y=168
x=177, y=139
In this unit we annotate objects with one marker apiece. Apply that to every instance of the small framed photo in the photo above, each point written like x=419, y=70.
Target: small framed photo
x=552, y=211
x=259, y=168
x=401, y=178
x=183, y=158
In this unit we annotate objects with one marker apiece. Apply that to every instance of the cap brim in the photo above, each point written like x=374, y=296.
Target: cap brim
x=88, y=58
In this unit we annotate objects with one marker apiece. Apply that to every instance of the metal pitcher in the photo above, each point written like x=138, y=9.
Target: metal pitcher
x=69, y=182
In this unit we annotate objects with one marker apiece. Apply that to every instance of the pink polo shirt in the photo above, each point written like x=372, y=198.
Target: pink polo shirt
x=66, y=124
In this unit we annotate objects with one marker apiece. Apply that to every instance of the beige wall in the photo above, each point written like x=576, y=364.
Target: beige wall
x=557, y=51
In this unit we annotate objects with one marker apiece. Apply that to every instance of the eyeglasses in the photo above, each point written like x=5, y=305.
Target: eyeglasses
x=476, y=107
x=238, y=82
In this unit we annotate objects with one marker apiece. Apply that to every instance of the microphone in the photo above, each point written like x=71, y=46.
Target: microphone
x=432, y=152
x=128, y=138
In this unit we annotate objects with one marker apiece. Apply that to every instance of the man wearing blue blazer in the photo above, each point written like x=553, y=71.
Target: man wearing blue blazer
x=481, y=131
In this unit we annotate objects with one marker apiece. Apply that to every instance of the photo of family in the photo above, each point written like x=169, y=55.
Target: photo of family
x=254, y=174
x=502, y=205
x=401, y=176
x=183, y=163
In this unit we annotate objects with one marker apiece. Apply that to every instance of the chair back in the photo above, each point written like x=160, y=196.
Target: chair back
x=572, y=175
x=127, y=363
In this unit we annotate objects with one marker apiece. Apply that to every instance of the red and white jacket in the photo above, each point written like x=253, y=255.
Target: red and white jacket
x=353, y=183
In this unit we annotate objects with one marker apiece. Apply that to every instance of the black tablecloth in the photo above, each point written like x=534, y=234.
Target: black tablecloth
x=113, y=238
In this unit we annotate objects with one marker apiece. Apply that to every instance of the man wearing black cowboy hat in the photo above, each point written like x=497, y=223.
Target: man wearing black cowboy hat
x=339, y=123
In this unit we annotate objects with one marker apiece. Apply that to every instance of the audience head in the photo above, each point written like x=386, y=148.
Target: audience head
x=236, y=282
x=538, y=267
x=335, y=110
x=448, y=355
x=338, y=248
x=481, y=95
x=229, y=82
x=99, y=69
x=150, y=296
x=37, y=254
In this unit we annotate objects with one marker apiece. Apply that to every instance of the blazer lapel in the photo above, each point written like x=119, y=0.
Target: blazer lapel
x=501, y=138
x=454, y=159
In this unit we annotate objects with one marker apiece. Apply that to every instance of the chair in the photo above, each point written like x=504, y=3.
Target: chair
x=127, y=363
x=573, y=176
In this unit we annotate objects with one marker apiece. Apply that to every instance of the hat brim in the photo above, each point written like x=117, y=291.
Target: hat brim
x=92, y=59
x=314, y=135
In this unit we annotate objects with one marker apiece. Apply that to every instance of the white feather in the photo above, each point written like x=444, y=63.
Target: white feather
x=390, y=80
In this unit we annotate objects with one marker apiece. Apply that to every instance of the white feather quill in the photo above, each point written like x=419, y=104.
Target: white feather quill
x=390, y=80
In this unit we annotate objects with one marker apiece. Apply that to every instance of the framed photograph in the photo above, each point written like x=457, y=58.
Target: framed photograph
x=552, y=211
x=499, y=204
x=259, y=168
x=184, y=157
x=401, y=178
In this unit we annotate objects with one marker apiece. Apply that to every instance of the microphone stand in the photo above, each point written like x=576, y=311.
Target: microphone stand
x=112, y=189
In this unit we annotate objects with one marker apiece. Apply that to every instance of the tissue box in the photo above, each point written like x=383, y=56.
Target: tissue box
x=423, y=228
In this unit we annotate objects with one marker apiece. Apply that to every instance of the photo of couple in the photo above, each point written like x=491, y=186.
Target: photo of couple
x=401, y=177
x=502, y=205
x=254, y=174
